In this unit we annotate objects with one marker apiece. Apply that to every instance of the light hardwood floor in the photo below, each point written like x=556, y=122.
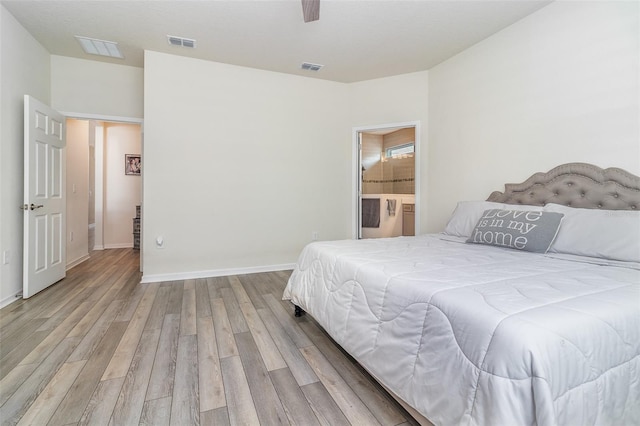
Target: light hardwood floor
x=101, y=348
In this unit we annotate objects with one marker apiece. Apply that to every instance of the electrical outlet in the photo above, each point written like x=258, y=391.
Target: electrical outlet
x=71, y=236
x=314, y=236
x=6, y=257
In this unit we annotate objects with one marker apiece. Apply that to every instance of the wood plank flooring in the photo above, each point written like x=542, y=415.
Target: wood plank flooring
x=100, y=348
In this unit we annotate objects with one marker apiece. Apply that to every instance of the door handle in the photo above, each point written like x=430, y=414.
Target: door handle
x=31, y=206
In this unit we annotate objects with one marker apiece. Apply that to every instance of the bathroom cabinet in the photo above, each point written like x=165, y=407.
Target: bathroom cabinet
x=408, y=220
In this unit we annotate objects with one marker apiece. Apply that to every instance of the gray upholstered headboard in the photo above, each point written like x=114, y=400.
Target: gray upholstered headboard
x=576, y=185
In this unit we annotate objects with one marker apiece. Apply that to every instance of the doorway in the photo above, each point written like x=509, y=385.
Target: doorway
x=104, y=194
x=387, y=180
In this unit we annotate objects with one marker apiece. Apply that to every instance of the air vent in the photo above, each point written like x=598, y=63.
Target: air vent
x=94, y=46
x=181, y=41
x=311, y=67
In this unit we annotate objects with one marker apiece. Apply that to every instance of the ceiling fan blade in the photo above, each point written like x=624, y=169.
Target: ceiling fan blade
x=311, y=10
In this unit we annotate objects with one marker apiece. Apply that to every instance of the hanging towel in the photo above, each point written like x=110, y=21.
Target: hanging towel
x=371, y=212
x=391, y=207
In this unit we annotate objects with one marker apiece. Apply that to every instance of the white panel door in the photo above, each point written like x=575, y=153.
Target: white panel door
x=44, y=261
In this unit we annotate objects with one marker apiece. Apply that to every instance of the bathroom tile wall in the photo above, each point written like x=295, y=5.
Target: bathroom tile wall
x=394, y=175
x=399, y=176
x=371, y=156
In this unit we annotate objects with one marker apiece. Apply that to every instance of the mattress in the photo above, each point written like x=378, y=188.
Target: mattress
x=471, y=334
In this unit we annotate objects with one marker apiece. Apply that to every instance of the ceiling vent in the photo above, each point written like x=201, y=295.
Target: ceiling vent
x=311, y=67
x=181, y=41
x=93, y=46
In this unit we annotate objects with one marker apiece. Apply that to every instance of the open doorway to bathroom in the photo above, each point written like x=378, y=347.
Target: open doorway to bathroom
x=387, y=179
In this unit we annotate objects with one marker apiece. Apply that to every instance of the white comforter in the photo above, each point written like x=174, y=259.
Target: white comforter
x=470, y=334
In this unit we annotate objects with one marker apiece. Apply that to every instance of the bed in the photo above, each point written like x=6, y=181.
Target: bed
x=478, y=333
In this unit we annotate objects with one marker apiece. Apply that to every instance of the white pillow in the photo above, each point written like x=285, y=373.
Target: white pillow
x=467, y=214
x=608, y=234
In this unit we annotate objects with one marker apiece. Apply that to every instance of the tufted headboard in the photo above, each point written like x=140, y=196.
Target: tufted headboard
x=577, y=185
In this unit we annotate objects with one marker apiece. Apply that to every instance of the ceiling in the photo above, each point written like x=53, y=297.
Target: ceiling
x=355, y=40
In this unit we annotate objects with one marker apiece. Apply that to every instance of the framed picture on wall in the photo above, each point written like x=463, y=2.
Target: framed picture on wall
x=132, y=164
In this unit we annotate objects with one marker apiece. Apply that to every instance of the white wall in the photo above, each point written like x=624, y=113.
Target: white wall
x=240, y=165
x=24, y=69
x=390, y=100
x=98, y=88
x=98, y=140
x=558, y=86
x=77, y=191
x=122, y=193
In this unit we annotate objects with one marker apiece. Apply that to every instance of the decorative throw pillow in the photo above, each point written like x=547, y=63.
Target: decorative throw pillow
x=467, y=214
x=532, y=231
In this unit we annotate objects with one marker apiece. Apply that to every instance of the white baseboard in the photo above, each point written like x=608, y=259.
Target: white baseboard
x=77, y=261
x=155, y=278
x=10, y=299
x=116, y=246
x=100, y=247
